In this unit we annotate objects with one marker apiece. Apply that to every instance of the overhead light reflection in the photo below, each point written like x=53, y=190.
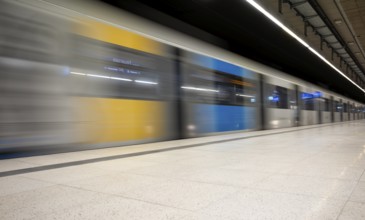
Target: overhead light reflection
x=100, y=76
x=145, y=82
x=122, y=79
x=199, y=89
x=248, y=96
x=77, y=73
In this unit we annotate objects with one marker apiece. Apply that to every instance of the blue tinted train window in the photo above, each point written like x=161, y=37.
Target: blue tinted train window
x=338, y=106
x=203, y=85
x=307, y=101
x=279, y=97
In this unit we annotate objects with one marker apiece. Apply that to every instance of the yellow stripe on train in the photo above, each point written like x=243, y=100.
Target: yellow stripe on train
x=105, y=120
x=112, y=34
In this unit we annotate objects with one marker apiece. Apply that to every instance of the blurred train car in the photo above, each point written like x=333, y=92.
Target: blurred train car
x=123, y=85
x=80, y=74
x=34, y=107
x=337, y=109
x=280, y=103
x=217, y=96
x=68, y=81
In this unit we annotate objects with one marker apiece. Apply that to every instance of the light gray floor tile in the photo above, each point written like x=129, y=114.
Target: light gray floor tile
x=14, y=164
x=255, y=204
x=182, y=194
x=67, y=174
x=353, y=211
x=34, y=203
x=239, y=178
x=312, y=186
x=282, y=158
x=164, y=157
x=187, y=153
x=117, y=208
x=358, y=195
x=362, y=178
x=59, y=158
x=117, y=184
x=258, y=165
x=168, y=170
x=338, y=148
x=15, y=184
x=210, y=161
x=220, y=147
x=307, y=174
x=327, y=171
x=120, y=165
x=204, y=216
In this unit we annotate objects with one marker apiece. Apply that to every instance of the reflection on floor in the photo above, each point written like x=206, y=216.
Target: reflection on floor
x=316, y=173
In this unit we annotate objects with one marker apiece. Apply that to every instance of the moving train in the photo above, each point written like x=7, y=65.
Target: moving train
x=81, y=75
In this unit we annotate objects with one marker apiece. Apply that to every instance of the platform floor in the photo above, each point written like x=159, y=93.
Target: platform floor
x=314, y=172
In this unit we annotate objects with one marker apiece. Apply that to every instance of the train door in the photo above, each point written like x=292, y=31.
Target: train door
x=326, y=110
x=337, y=110
x=319, y=111
x=345, y=114
x=309, y=106
x=332, y=109
x=217, y=96
x=297, y=114
x=280, y=102
x=348, y=107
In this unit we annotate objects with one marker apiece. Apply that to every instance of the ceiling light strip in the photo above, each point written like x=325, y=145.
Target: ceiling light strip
x=291, y=33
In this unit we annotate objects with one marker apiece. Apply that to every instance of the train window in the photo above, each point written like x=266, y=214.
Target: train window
x=308, y=101
x=351, y=108
x=277, y=96
x=337, y=106
x=308, y=104
x=212, y=87
x=345, y=107
x=107, y=70
x=326, y=105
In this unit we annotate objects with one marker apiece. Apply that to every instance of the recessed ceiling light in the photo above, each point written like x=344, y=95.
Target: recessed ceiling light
x=338, y=21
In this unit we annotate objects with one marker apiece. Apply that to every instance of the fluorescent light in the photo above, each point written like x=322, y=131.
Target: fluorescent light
x=291, y=33
x=199, y=89
x=248, y=96
x=338, y=21
x=276, y=21
x=145, y=82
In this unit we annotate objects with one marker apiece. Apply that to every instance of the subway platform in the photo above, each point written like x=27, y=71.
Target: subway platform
x=312, y=172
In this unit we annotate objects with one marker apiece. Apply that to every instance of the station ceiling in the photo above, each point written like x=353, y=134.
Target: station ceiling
x=236, y=26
